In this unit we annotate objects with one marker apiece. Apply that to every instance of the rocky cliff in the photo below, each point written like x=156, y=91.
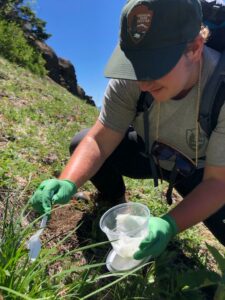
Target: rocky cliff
x=62, y=71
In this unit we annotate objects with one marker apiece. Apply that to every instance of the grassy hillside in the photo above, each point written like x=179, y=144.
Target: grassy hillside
x=38, y=118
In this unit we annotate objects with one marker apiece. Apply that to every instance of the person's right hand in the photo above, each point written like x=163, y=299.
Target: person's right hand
x=50, y=192
x=161, y=231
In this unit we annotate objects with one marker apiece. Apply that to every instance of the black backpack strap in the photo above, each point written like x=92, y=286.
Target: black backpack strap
x=213, y=97
x=145, y=101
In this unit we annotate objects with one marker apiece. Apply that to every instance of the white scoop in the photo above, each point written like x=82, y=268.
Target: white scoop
x=34, y=243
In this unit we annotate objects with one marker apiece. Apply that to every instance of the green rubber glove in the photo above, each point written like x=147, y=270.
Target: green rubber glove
x=52, y=191
x=161, y=231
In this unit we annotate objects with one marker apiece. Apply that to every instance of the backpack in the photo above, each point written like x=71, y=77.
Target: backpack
x=213, y=96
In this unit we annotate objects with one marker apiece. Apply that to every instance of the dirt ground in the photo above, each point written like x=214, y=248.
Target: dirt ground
x=80, y=219
x=81, y=222
x=75, y=215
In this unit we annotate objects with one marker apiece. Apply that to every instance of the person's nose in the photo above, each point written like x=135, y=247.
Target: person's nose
x=145, y=85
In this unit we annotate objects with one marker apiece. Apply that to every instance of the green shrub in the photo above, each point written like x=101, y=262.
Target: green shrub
x=15, y=48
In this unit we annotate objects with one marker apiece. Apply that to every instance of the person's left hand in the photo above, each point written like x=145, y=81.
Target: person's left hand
x=161, y=231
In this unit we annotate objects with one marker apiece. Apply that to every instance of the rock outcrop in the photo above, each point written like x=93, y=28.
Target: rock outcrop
x=62, y=71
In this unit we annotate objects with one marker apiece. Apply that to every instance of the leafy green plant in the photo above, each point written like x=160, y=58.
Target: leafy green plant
x=196, y=280
x=14, y=47
x=20, y=12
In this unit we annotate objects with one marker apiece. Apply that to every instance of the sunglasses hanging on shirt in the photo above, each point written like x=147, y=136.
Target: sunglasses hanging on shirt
x=182, y=164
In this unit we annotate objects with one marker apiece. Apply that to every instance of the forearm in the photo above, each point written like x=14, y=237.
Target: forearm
x=84, y=163
x=203, y=201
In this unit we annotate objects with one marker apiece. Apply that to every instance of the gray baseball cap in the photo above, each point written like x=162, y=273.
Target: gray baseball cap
x=153, y=37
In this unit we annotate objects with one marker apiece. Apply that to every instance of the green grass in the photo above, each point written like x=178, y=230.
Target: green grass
x=22, y=279
x=172, y=276
x=38, y=118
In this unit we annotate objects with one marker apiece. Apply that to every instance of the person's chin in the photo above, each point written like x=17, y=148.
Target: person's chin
x=160, y=95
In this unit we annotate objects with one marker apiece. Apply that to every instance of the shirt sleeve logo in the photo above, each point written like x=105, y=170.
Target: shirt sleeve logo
x=139, y=22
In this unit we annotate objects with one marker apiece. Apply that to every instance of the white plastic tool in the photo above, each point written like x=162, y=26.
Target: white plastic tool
x=34, y=243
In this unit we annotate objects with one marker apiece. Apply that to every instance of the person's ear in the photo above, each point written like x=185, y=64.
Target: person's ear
x=194, y=52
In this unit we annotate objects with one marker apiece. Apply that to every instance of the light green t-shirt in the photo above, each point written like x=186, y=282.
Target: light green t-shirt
x=177, y=118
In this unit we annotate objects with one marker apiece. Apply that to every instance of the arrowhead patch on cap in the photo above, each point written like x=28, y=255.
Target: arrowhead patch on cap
x=139, y=22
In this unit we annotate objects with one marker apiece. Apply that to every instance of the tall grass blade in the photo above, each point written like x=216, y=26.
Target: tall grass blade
x=114, y=282
x=10, y=291
x=219, y=258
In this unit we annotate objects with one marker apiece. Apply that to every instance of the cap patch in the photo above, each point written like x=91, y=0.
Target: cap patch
x=139, y=22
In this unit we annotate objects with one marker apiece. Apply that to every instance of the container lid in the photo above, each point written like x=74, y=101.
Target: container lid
x=116, y=263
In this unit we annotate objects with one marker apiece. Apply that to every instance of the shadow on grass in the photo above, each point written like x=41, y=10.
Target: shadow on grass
x=89, y=232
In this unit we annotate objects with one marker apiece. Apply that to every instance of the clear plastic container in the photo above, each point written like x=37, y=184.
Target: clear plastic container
x=126, y=225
